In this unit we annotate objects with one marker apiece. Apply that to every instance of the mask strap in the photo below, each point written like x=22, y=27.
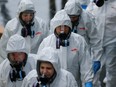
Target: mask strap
x=20, y=74
x=74, y=29
x=57, y=43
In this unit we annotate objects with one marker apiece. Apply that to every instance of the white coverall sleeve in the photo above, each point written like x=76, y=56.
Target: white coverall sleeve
x=28, y=80
x=41, y=46
x=71, y=82
x=3, y=43
x=46, y=29
x=44, y=26
x=25, y=83
x=1, y=84
x=94, y=38
x=85, y=63
x=2, y=80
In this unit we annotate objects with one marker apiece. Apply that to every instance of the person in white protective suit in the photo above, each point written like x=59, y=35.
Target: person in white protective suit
x=72, y=49
x=84, y=24
x=93, y=8
x=48, y=72
x=83, y=3
x=106, y=21
x=32, y=28
x=17, y=64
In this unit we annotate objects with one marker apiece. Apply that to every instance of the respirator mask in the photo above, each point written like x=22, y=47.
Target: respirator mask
x=17, y=72
x=62, y=38
x=75, y=23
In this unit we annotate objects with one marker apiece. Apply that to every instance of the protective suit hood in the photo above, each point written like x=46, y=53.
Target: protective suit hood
x=84, y=2
x=60, y=18
x=17, y=43
x=25, y=5
x=73, y=7
x=49, y=54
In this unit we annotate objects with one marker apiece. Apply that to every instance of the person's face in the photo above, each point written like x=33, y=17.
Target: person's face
x=62, y=29
x=74, y=18
x=17, y=57
x=27, y=17
x=47, y=69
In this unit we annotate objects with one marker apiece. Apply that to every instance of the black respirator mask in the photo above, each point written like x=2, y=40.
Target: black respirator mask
x=62, y=39
x=74, y=25
x=17, y=72
x=44, y=79
x=26, y=30
x=41, y=82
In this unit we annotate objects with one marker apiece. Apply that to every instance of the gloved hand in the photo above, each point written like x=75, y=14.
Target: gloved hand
x=96, y=66
x=88, y=84
x=99, y=3
x=84, y=6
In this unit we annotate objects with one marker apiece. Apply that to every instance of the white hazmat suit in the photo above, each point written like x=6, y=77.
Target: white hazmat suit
x=75, y=57
x=16, y=43
x=14, y=26
x=86, y=28
x=63, y=78
x=106, y=23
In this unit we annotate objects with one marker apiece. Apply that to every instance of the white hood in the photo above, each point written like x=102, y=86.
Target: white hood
x=25, y=5
x=73, y=7
x=60, y=18
x=50, y=55
x=16, y=43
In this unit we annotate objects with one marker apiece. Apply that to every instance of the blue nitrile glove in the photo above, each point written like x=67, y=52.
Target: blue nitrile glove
x=88, y=84
x=96, y=66
x=84, y=6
